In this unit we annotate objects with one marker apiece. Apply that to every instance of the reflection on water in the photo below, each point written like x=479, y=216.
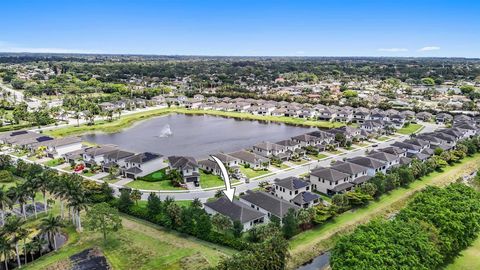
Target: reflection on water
x=196, y=136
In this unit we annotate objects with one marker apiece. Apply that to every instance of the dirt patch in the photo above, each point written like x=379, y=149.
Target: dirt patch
x=89, y=259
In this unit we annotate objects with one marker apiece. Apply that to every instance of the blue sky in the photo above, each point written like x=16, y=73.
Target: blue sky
x=244, y=27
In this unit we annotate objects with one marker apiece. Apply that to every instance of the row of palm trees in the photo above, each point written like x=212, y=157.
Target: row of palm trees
x=14, y=231
x=65, y=188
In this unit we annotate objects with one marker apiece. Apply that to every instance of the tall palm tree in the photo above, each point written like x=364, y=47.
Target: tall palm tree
x=30, y=188
x=22, y=234
x=78, y=203
x=12, y=227
x=51, y=226
x=19, y=194
x=5, y=249
x=4, y=201
x=58, y=187
x=44, y=184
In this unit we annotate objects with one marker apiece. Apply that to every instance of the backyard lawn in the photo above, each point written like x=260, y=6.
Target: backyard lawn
x=410, y=129
x=250, y=173
x=468, y=259
x=139, y=245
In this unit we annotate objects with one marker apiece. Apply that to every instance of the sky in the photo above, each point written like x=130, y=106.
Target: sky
x=419, y=28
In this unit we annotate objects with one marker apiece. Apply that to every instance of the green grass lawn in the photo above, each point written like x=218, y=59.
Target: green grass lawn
x=309, y=244
x=362, y=144
x=469, y=259
x=282, y=166
x=300, y=162
x=250, y=173
x=317, y=157
x=412, y=128
x=210, y=180
x=54, y=162
x=88, y=174
x=335, y=152
x=383, y=138
x=128, y=120
x=160, y=185
x=154, y=176
x=139, y=245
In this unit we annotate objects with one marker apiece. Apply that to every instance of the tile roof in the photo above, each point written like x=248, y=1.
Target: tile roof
x=234, y=210
x=270, y=203
x=291, y=183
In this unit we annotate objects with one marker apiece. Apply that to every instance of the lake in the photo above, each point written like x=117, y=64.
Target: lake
x=195, y=135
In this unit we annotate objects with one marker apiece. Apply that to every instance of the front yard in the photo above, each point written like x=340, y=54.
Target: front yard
x=208, y=180
x=159, y=185
x=54, y=162
x=251, y=173
x=410, y=129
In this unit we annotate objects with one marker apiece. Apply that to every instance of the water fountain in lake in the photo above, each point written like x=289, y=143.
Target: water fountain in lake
x=165, y=132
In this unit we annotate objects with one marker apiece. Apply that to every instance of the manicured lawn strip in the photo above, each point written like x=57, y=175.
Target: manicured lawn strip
x=309, y=244
x=383, y=138
x=128, y=120
x=160, y=185
x=335, y=152
x=250, y=173
x=140, y=245
x=282, y=166
x=468, y=259
x=300, y=162
x=210, y=180
x=54, y=162
x=412, y=128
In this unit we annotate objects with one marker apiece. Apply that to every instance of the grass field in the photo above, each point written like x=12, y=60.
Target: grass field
x=469, y=259
x=139, y=245
x=410, y=129
x=309, y=244
x=383, y=138
x=251, y=173
x=128, y=120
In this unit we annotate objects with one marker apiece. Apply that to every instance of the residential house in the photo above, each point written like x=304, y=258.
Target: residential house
x=96, y=155
x=268, y=204
x=329, y=181
x=143, y=164
x=253, y=160
x=424, y=116
x=307, y=140
x=187, y=166
x=59, y=147
x=236, y=211
x=268, y=149
x=374, y=166
x=390, y=160
x=116, y=158
x=358, y=173
x=443, y=118
x=295, y=191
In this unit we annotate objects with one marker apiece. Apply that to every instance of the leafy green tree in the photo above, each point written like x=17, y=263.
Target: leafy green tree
x=125, y=200
x=290, y=224
x=221, y=223
x=237, y=229
x=136, y=195
x=103, y=218
x=154, y=205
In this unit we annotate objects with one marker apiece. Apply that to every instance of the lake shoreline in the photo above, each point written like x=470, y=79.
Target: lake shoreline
x=132, y=119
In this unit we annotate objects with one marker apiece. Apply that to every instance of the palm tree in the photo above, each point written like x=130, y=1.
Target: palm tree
x=51, y=226
x=58, y=187
x=30, y=189
x=44, y=184
x=4, y=201
x=78, y=203
x=12, y=227
x=22, y=234
x=5, y=249
x=32, y=247
x=19, y=194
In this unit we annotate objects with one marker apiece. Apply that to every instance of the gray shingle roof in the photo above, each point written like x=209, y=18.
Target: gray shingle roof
x=384, y=156
x=234, y=210
x=367, y=162
x=269, y=202
x=305, y=197
x=143, y=157
x=181, y=163
x=329, y=174
x=291, y=183
x=347, y=167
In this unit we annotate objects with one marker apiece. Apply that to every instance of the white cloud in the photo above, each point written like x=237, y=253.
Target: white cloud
x=7, y=47
x=393, y=50
x=429, y=48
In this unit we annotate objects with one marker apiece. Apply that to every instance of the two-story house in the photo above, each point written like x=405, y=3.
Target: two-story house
x=142, y=164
